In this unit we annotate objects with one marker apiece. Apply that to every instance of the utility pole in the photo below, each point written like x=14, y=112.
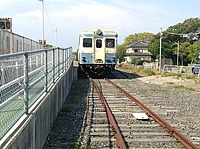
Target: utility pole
x=160, y=49
x=43, y=43
x=177, y=51
x=56, y=37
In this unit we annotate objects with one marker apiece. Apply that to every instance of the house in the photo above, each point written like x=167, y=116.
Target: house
x=137, y=52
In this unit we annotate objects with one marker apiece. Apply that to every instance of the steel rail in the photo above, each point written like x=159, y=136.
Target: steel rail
x=118, y=136
x=181, y=138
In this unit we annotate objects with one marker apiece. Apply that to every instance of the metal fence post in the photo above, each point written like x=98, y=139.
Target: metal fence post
x=63, y=60
x=3, y=76
x=58, y=61
x=17, y=73
x=22, y=43
x=53, y=65
x=67, y=58
x=31, y=45
x=70, y=54
x=46, y=72
x=26, y=83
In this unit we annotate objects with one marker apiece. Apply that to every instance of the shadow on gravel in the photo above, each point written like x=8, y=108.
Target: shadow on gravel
x=129, y=75
x=123, y=75
x=67, y=128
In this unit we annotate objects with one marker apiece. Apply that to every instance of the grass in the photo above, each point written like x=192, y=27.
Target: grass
x=141, y=71
x=197, y=80
x=152, y=90
x=149, y=72
x=183, y=87
x=170, y=83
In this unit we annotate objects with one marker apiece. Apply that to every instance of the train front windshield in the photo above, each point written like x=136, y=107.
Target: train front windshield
x=87, y=42
x=110, y=43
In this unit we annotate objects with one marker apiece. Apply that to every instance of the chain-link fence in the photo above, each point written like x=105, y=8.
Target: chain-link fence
x=13, y=43
x=24, y=77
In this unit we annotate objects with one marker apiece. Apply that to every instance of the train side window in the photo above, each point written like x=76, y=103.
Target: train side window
x=98, y=43
x=110, y=43
x=87, y=42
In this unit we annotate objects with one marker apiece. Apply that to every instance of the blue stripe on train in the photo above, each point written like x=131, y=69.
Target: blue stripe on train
x=111, y=58
x=85, y=58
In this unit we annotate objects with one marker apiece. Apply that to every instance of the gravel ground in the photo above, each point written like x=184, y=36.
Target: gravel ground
x=68, y=125
x=184, y=94
x=185, y=97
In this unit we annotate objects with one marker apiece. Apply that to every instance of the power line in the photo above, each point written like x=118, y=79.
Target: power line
x=48, y=18
x=179, y=34
x=52, y=28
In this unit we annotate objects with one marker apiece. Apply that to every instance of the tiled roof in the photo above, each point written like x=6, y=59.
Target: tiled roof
x=138, y=45
x=138, y=54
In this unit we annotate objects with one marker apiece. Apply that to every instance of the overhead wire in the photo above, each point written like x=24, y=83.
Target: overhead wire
x=182, y=34
x=52, y=28
x=49, y=18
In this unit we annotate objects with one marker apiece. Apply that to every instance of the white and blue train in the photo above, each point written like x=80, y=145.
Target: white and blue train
x=97, y=51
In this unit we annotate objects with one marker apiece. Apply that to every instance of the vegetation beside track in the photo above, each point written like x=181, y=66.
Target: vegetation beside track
x=141, y=71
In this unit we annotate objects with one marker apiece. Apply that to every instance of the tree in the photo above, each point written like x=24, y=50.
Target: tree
x=143, y=37
x=183, y=53
x=154, y=45
x=75, y=55
x=185, y=33
x=194, y=51
x=190, y=27
x=166, y=47
x=121, y=52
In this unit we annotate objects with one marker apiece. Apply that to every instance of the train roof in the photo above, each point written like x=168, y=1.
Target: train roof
x=98, y=32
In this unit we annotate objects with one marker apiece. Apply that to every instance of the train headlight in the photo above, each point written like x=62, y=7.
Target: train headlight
x=99, y=61
x=110, y=44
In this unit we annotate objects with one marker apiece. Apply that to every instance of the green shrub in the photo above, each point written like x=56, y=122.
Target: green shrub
x=149, y=72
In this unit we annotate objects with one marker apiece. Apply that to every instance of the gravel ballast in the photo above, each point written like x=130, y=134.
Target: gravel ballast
x=67, y=128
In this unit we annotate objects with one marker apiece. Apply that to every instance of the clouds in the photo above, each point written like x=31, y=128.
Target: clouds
x=4, y=2
x=71, y=16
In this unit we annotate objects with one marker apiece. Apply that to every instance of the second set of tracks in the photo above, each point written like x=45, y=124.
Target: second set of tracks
x=110, y=121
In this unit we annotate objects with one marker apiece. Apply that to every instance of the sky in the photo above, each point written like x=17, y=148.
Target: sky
x=70, y=17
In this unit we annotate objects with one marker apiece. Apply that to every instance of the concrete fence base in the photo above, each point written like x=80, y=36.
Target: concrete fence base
x=31, y=131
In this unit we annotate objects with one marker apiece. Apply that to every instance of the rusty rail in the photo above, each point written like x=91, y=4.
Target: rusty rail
x=119, y=138
x=181, y=138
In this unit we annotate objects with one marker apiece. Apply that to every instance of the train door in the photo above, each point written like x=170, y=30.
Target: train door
x=99, y=51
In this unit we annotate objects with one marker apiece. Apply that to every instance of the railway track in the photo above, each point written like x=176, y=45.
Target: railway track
x=118, y=121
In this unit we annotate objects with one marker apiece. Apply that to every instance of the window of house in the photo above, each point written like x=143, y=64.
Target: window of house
x=110, y=43
x=98, y=43
x=87, y=42
x=138, y=50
